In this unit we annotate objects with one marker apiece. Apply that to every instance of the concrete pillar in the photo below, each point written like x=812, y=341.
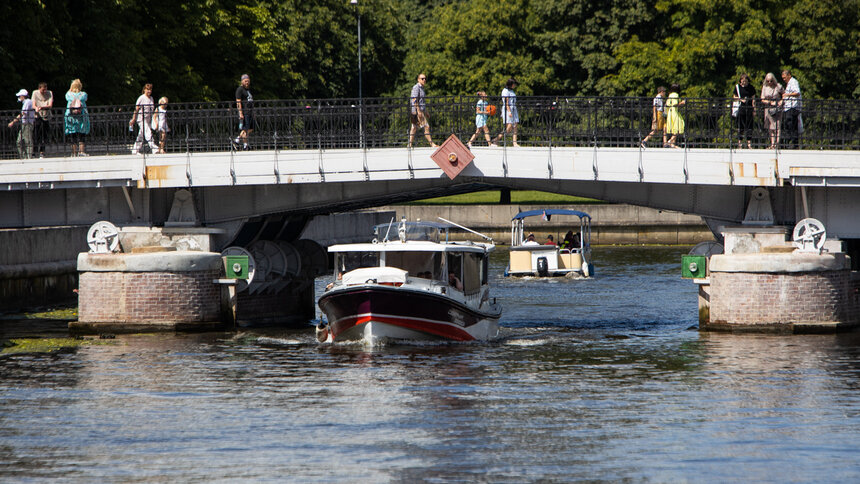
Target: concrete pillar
x=158, y=291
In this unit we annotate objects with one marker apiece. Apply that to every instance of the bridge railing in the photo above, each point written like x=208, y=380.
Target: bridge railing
x=384, y=123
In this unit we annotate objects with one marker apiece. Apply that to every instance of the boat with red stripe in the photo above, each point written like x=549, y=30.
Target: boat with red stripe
x=418, y=286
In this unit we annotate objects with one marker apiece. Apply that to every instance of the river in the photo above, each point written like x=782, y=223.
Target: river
x=605, y=379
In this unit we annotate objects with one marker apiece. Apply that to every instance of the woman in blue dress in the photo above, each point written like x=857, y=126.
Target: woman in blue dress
x=481, y=115
x=77, y=118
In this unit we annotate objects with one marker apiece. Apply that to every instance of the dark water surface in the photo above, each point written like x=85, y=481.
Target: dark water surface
x=598, y=380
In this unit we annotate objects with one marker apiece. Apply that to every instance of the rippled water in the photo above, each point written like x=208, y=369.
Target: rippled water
x=598, y=380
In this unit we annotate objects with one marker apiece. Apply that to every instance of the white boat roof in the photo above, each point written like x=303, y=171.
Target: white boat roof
x=413, y=246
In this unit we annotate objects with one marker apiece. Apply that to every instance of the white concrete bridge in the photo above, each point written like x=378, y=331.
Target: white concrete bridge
x=233, y=187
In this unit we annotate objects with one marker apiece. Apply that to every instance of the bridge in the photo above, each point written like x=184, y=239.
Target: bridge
x=322, y=156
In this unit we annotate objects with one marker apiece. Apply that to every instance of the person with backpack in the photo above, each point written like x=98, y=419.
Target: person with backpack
x=76, y=122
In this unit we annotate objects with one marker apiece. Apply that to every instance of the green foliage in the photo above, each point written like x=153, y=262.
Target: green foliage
x=197, y=49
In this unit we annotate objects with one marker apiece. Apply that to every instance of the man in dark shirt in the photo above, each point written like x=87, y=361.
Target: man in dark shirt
x=245, y=105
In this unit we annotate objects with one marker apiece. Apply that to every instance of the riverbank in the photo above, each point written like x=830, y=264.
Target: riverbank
x=612, y=224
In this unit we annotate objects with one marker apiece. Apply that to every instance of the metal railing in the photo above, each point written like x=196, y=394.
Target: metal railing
x=384, y=123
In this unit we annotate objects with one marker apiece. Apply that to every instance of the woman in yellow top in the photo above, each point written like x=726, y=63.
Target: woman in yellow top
x=674, y=121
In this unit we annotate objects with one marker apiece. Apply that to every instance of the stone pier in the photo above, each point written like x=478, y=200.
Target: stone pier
x=763, y=284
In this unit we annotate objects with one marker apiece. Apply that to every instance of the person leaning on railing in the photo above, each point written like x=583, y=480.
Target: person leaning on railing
x=26, y=118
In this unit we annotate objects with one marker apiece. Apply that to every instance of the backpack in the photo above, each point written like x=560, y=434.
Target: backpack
x=75, y=105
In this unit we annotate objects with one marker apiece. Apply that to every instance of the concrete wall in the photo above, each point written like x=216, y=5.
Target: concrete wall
x=611, y=223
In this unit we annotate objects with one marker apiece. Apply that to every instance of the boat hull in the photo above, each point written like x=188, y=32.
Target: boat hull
x=375, y=312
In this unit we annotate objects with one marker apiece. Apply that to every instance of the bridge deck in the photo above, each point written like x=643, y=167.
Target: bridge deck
x=692, y=166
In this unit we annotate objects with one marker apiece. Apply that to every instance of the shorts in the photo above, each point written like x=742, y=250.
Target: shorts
x=248, y=123
x=659, y=122
x=417, y=121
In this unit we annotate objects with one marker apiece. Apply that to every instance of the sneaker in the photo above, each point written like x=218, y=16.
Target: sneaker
x=41, y=155
x=246, y=147
x=642, y=145
x=83, y=154
x=469, y=145
x=493, y=145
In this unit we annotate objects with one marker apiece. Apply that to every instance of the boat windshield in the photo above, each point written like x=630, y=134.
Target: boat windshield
x=428, y=231
x=348, y=261
x=427, y=265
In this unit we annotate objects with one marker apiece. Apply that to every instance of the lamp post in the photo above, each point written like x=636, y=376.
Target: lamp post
x=360, y=99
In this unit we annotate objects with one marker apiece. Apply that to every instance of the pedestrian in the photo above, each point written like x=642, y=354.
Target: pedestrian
x=658, y=116
x=77, y=118
x=43, y=101
x=26, y=119
x=549, y=240
x=418, y=111
x=674, y=120
x=745, y=95
x=245, y=106
x=144, y=107
x=481, y=116
x=792, y=103
x=771, y=100
x=510, y=117
x=159, y=123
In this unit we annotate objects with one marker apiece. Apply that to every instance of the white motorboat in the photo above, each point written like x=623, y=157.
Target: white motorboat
x=415, y=285
x=530, y=258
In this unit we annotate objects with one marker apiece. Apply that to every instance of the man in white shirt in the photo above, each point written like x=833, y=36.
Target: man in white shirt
x=792, y=103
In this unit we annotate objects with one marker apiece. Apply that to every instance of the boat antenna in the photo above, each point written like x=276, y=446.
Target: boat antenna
x=385, y=239
x=465, y=228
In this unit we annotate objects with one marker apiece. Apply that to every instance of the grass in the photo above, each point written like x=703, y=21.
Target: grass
x=520, y=197
x=46, y=345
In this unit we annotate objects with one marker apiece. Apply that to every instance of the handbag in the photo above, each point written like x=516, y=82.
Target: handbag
x=736, y=105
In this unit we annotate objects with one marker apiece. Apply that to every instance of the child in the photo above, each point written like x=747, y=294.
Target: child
x=159, y=124
x=658, y=119
x=481, y=115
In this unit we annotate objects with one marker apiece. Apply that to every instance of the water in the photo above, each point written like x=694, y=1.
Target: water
x=597, y=380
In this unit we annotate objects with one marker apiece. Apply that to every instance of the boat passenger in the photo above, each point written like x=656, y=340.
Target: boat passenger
x=570, y=241
x=549, y=240
x=455, y=282
x=530, y=240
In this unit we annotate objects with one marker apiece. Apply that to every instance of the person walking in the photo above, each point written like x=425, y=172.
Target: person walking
x=658, y=117
x=245, y=106
x=159, y=123
x=76, y=121
x=43, y=101
x=745, y=95
x=144, y=107
x=674, y=120
x=418, y=111
x=771, y=99
x=26, y=119
x=481, y=116
x=792, y=103
x=510, y=117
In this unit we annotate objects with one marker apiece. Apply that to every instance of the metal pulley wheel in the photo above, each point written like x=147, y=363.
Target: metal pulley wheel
x=242, y=284
x=103, y=238
x=809, y=235
x=276, y=262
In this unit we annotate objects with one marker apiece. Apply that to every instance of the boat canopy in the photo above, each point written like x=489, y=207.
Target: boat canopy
x=549, y=212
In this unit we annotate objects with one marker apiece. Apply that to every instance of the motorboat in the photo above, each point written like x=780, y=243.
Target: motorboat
x=410, y=282
x=572, y=256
